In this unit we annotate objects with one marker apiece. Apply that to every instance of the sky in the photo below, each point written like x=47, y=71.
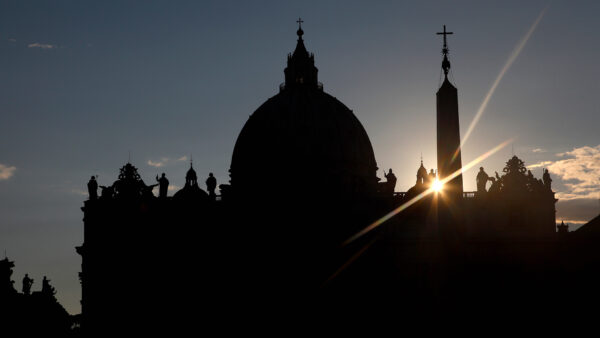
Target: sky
x=86, y=86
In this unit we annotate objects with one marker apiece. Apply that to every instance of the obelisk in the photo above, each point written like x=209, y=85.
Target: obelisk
x=448, y=132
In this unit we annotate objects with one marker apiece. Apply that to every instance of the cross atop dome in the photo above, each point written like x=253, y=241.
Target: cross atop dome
x=300, y=32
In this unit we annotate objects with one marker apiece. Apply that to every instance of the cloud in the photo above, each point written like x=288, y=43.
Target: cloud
x=573, y=224
x=165, y=160
x=538, y=150
x=580, y=171
x=41, y=45
x=576, y=176
x=6, y=172
x=79, y=192
x=540, y=164
x=170, y=188
x=580, y=209
x=577, y=212
x=156, y=164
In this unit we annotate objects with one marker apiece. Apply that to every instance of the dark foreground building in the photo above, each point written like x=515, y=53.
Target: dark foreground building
x=274, y=243
x=32, y=313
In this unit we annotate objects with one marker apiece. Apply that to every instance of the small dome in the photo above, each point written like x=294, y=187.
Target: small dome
x=191, y=174
x=191, y=193
x=422, y=172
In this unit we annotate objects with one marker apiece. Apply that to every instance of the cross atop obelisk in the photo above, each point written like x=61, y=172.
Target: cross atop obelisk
x=444, y=33
x=445, y=62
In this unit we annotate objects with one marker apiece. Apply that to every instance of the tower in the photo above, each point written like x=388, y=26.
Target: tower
x=301, y=68
x=448, y=131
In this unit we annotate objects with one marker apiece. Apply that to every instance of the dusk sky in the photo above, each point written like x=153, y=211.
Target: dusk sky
x=84, y=86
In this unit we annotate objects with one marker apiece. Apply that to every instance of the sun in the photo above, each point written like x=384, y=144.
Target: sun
x=437, y=185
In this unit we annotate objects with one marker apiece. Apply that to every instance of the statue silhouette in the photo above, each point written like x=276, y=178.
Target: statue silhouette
x=482, y=178
x=547, y=179
x=47, y=289
x=93, y=188
x=163, y=183
x=391, y=180
x=27, y=282
x=211, y=185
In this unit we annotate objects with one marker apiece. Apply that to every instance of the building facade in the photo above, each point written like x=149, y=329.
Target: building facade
x=147, y=257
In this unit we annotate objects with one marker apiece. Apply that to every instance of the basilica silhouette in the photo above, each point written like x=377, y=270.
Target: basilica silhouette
x=303, y=181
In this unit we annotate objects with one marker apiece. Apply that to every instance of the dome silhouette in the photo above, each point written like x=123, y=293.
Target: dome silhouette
x=191, y=191
x=421, y=173
x=303, y=139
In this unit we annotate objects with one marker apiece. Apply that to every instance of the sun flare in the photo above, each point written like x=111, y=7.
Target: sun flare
x=427, y=192
x=438, y=185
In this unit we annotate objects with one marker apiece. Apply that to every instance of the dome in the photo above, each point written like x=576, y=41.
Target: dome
x=303, y=139
x=191, y=174
x=191, y=193
x=421, y=173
